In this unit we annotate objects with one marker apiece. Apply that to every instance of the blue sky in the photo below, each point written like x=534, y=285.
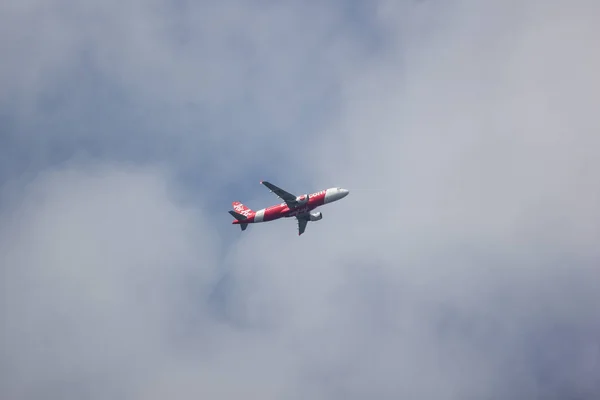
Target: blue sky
x=463, y=264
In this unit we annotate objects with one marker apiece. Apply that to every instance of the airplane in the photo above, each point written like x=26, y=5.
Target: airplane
x=299, y=207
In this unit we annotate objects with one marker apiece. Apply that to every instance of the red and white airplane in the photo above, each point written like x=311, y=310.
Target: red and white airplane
x=292, y=206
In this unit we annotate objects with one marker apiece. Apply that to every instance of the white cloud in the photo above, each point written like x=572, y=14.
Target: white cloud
x=95, y=268
x=470, y=155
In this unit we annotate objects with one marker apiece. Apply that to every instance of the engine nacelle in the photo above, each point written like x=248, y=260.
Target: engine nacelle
x=316, y=216
x=301, y=200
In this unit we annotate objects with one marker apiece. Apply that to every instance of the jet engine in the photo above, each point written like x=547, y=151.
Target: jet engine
x=301, y=200
x=315, y=216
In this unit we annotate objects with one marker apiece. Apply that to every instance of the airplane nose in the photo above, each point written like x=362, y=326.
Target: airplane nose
x=344, y=192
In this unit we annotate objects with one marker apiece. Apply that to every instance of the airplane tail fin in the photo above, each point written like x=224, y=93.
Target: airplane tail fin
x=241, y=208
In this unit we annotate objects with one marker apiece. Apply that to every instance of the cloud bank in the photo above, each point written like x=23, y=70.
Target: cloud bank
x=464, y=263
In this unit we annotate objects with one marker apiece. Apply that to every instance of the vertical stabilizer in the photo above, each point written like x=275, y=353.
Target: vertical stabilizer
x=242, y=209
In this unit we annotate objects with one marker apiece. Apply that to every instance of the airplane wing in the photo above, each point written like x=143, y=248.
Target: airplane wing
x=287, y=197
x=301, y=225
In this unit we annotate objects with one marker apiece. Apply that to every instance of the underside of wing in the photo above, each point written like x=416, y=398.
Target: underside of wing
x=301, y=225
x=287, y=197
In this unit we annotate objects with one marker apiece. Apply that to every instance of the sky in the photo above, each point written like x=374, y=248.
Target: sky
x=463, y=264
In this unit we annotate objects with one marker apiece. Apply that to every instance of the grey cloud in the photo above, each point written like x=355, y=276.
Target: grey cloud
x=147, y=81
x=462, y=265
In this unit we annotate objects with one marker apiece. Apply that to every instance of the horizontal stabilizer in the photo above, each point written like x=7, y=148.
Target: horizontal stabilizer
x=243, y=226
x=238, y=216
